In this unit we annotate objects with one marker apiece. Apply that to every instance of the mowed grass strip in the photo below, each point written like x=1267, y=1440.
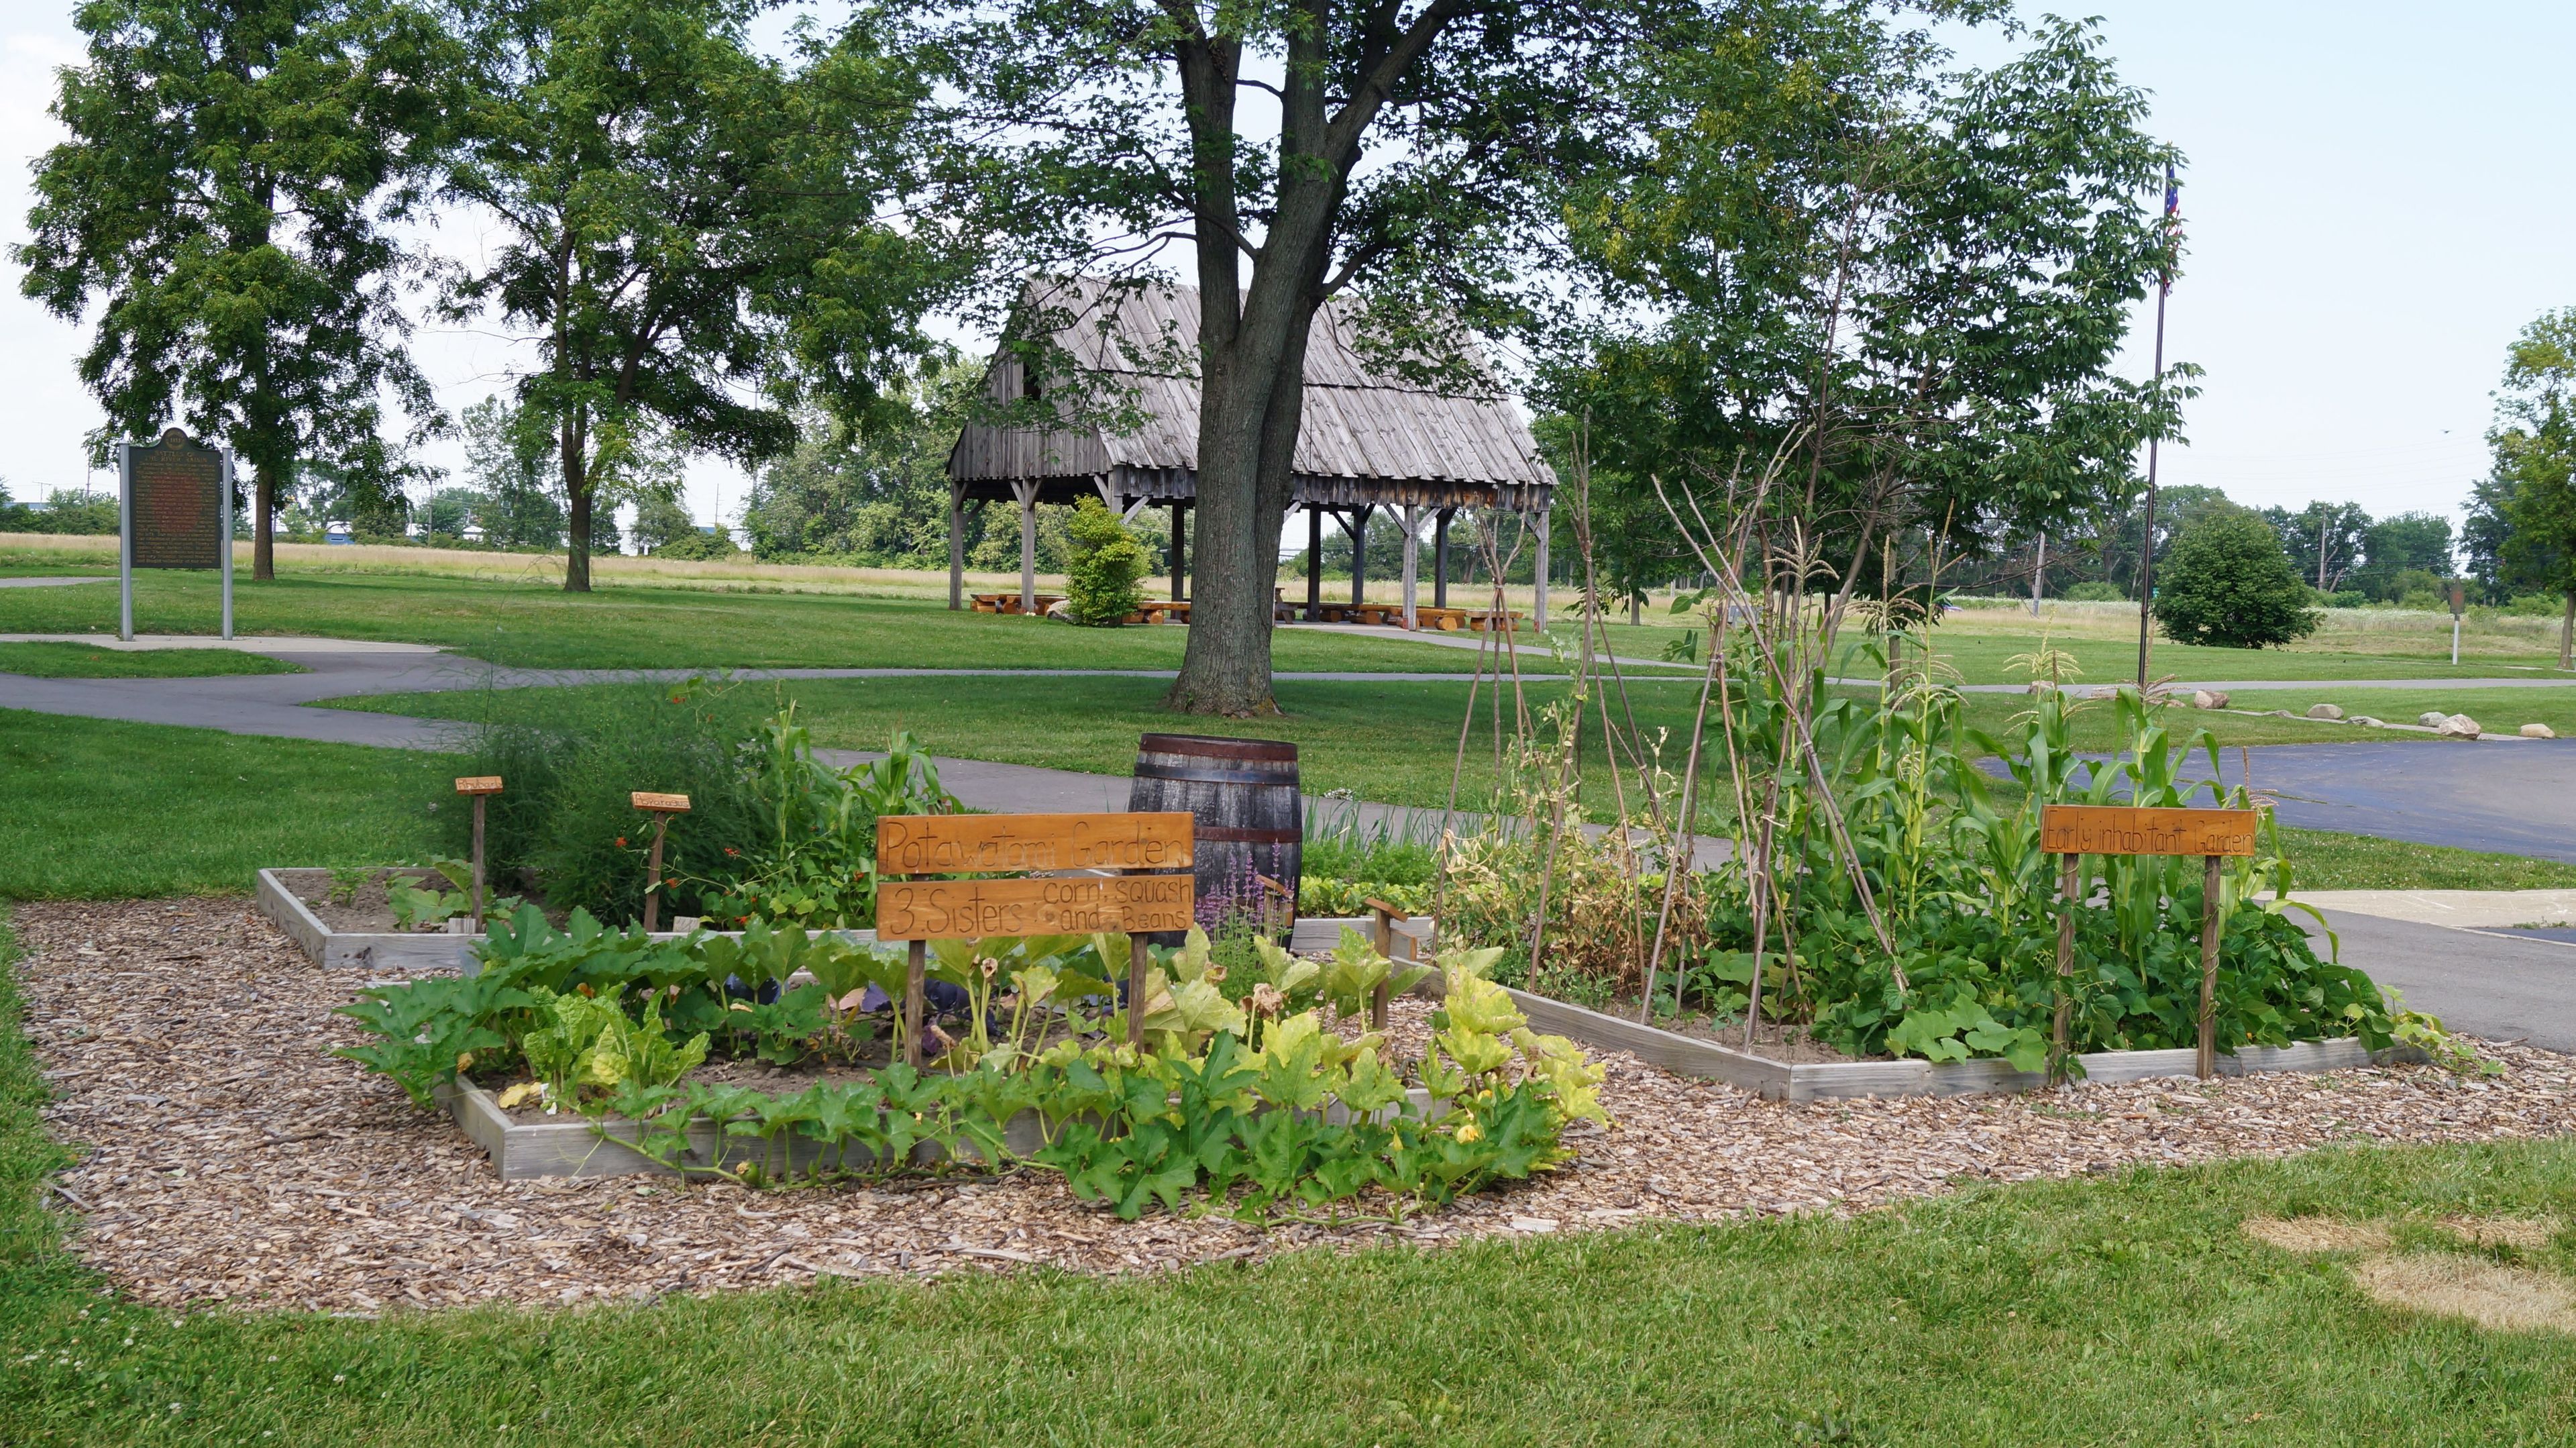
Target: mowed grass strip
x=532, y=623
x=2130, y=1309
x=101, y=809
x=85, y=661
x=2498, y=711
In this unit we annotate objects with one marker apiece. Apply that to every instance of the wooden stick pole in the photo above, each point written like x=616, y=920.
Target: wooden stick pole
x=1136, y=959
x=2069, y=873
x=478, y=864
x=1386, y=916
x=653, y=875
x=2209, y=929
x=916, y=971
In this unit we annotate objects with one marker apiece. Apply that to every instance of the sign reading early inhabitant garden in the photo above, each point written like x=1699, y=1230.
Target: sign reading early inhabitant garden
x=1061, y=905
x=992, y=844
x=2081, y=829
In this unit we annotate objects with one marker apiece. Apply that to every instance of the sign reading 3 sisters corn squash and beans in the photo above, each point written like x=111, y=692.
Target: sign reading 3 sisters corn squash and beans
x=1058, y=905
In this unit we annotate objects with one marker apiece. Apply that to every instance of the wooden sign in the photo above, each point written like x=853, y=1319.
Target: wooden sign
x=478, y=784
x=989, y=844
x=1063, y=905
x=2076, y=829
x=661, y=803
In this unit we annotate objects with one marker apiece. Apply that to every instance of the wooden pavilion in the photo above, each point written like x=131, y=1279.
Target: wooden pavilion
x=1369, y=440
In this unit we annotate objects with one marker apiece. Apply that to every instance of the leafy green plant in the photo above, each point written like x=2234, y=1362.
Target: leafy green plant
x=429, y=1029
x=347, y=881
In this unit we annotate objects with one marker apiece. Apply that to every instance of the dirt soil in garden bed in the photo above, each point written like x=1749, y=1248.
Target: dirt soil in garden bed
x=367, y=911
x=227, y=1157
x=1772, y=1041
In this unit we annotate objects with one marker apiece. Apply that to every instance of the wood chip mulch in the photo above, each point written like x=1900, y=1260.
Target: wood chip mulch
x=225, y=1158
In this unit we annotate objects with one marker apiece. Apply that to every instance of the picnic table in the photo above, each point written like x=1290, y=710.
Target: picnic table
x=1425, y=616
x=1010, y=602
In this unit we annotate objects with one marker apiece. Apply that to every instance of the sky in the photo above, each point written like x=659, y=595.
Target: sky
x=2377, y=199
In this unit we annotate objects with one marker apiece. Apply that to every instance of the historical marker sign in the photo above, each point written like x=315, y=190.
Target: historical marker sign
x=175, y=506
x=995, y=844
x=176, y=498
x=2077, y=829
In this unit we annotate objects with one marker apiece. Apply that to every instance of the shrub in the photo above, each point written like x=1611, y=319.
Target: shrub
x=1100, y=581
x=566, y=822
x=2095, y=591
x=2227, y=583
x=713, y=543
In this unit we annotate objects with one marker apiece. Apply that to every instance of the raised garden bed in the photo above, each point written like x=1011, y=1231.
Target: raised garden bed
x=295, y=900
x=1908, y=1076
x=523, y=1149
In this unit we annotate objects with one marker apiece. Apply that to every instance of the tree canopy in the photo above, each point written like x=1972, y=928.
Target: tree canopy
x=1900, y=290
x=224, y=203
x=2532, y=490
x=2228, y=583
x=693, y=230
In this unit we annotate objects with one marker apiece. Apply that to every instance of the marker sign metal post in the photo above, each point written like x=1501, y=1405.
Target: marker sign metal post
x=1135, y=903
x=2073, y=831
x=661, y=807
x=174, y=509
x=478, y=787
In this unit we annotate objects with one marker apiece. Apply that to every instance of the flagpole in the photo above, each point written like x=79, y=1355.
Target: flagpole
x=2147, y=538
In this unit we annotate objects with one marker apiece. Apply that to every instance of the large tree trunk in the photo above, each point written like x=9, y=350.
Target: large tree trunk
x=1252, y=366
x=263, y=527
x=577, y=490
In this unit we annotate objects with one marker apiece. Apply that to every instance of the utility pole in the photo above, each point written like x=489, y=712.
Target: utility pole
x=2147, y=539
x=2038, y=571
x=2324, y=515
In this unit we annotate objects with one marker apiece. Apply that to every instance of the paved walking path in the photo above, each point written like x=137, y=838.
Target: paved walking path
x=2494, y=984
x=48, y=582
x=274, y=704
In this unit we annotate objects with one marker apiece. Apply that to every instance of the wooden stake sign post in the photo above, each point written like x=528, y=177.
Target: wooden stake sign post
x=661, y=807
x=481, y=787
x=2074, y=831
x=1142, y=899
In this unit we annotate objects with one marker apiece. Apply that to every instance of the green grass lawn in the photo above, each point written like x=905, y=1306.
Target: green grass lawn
x=2500, y=711
x=629, y=625
x=2328, y=860
x=2128, y=1309
x=1394, y=742
x=80, y=661
x=106, y=810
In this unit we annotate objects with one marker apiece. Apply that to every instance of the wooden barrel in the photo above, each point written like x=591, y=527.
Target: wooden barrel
x=1250, y=822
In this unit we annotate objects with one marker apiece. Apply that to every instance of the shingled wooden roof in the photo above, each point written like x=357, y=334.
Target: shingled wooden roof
x=1367, y=435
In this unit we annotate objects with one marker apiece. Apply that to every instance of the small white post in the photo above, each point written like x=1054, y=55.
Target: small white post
x=1412, y=559
x=125, y=541
x=227, y=544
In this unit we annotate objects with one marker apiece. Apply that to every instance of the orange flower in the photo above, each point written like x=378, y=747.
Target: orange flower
x=621, y=842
